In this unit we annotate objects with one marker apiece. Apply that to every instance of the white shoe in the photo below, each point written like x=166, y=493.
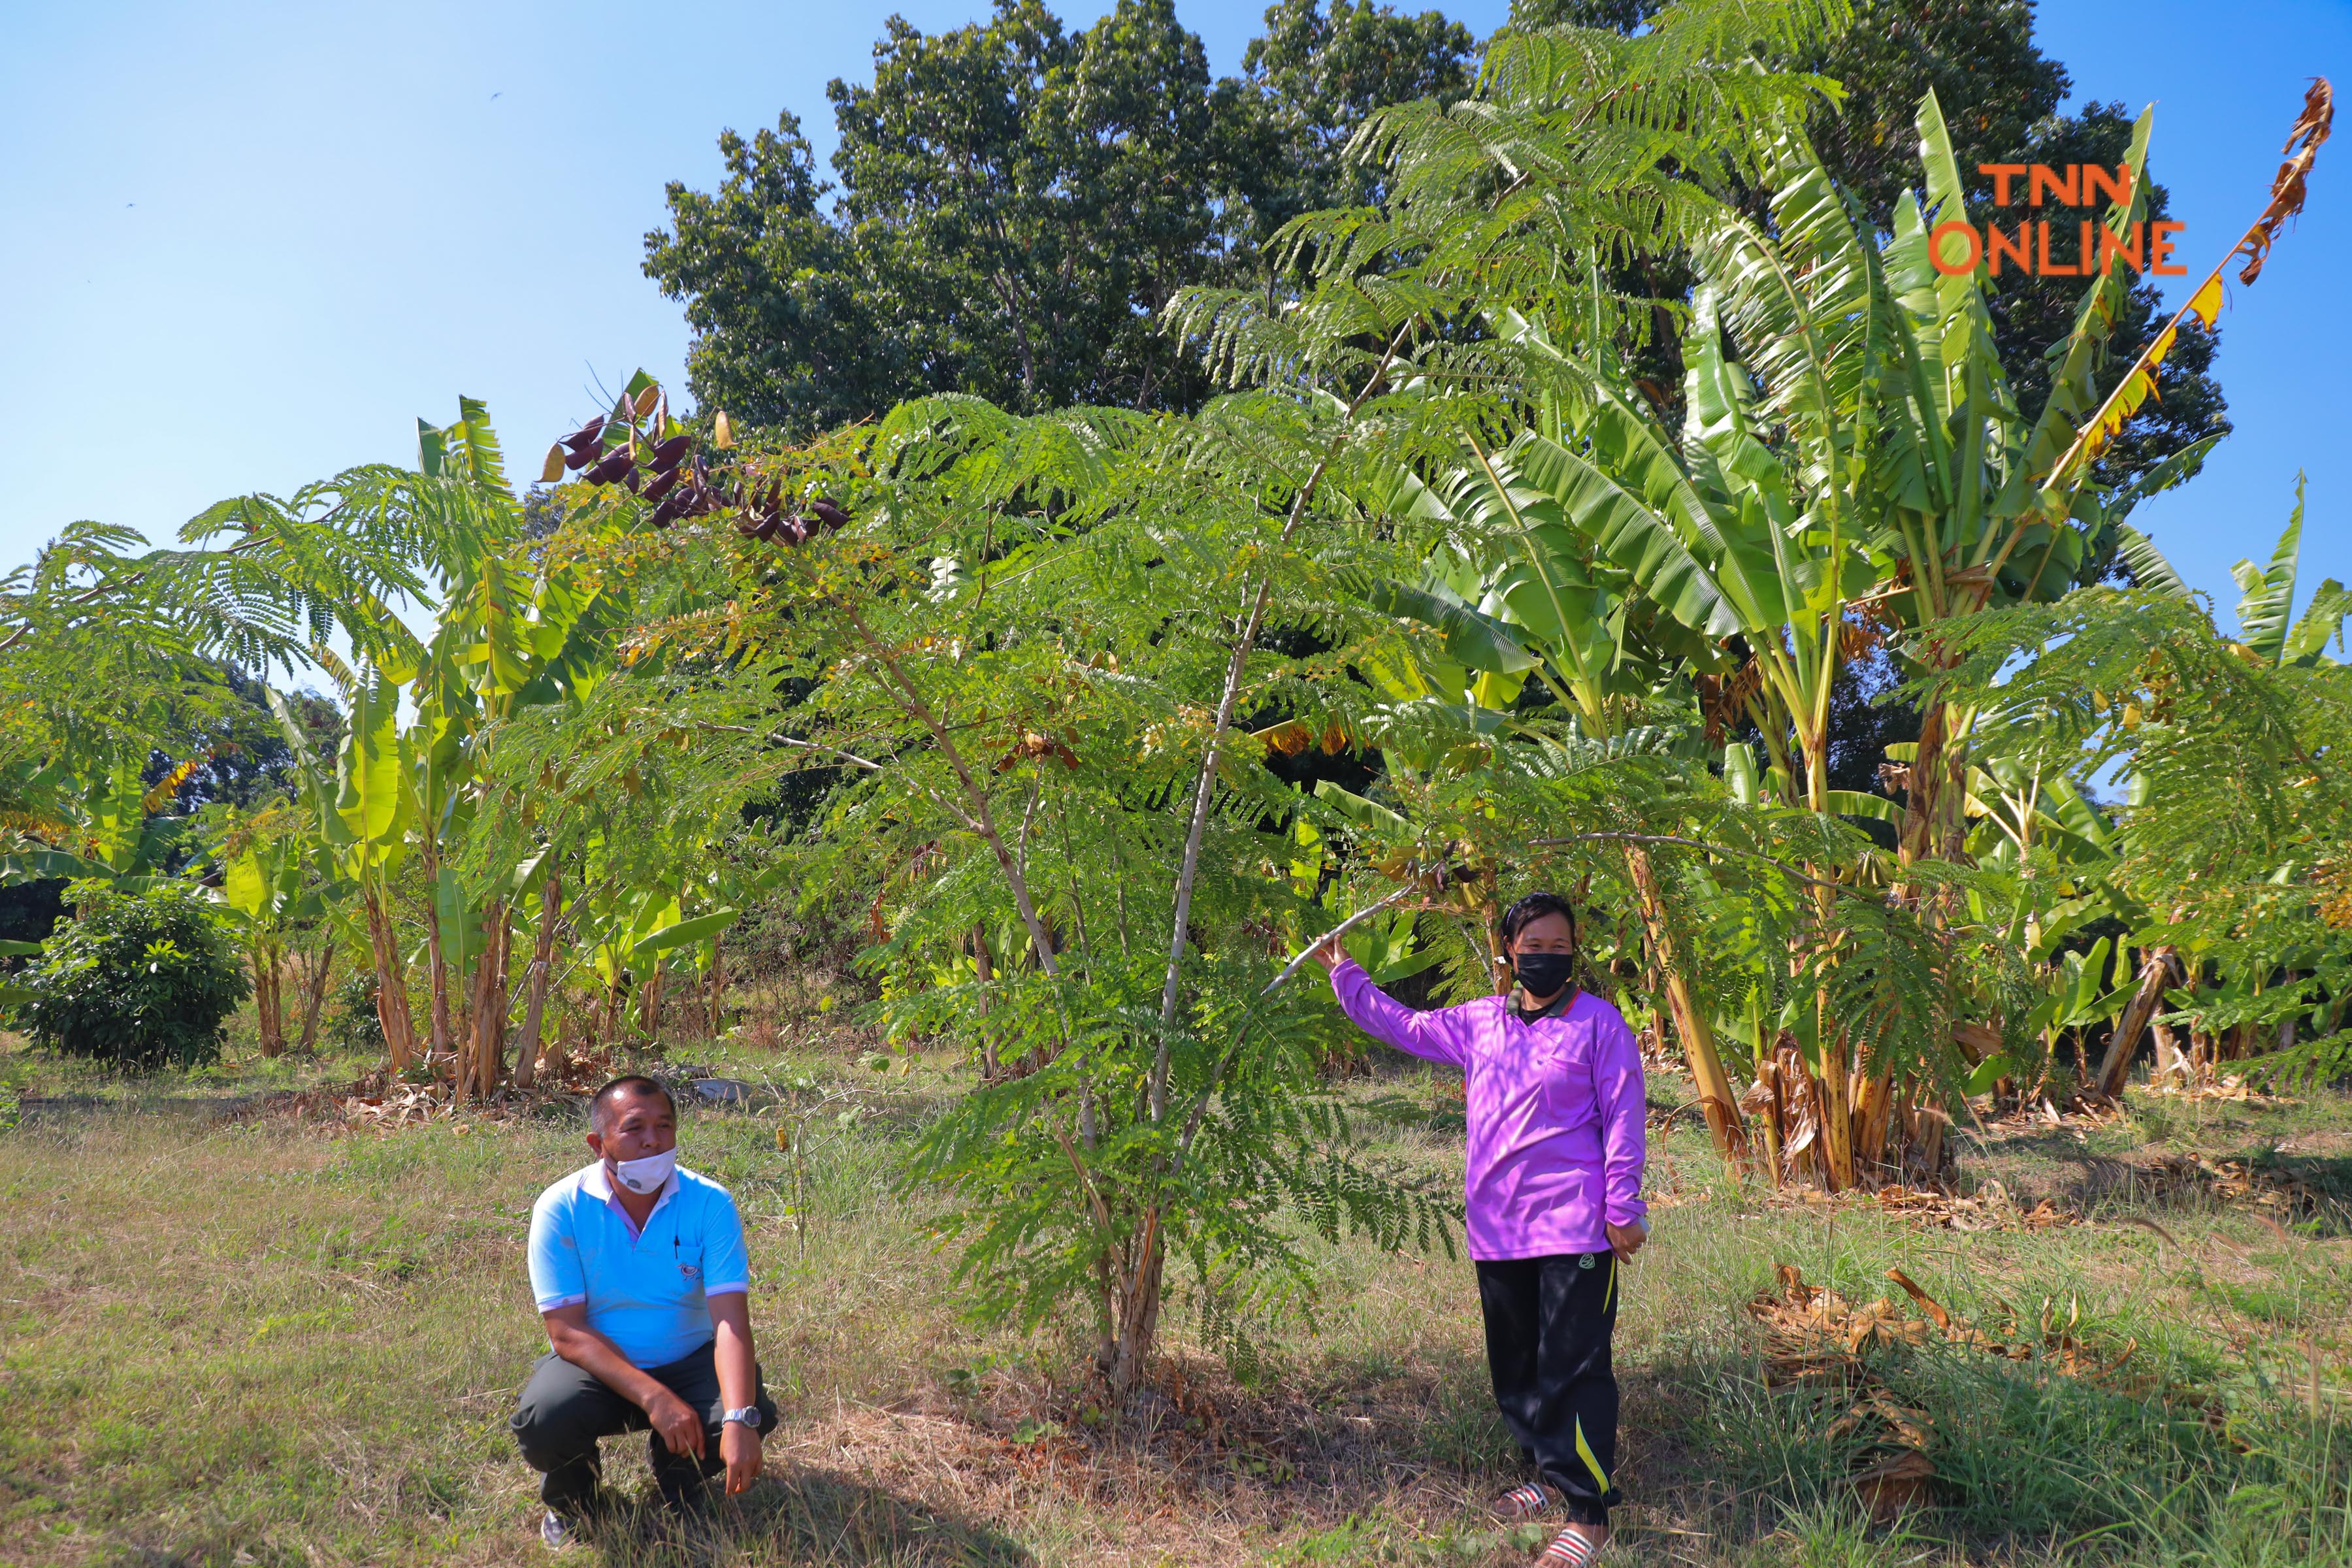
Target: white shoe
x=553, y=1532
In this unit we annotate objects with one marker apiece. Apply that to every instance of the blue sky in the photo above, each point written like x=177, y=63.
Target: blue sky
x=250, y=243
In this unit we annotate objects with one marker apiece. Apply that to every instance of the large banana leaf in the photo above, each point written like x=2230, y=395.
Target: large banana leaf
x=1357, y=809
x=370, y=788
x=2322, y=620
x=2075, y=394
x=1470, y=639
x=2268, y=598
x=679, y=933
x=2150, y=568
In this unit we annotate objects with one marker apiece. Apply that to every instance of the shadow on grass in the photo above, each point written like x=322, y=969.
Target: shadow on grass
x=820, y=1518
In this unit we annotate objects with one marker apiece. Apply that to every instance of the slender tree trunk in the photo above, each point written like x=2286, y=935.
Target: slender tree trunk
x=1129, y=1355
x=1140, y=1318
x=2156, y=968
x=716, y=985
x=542, y=954
x=314, y=995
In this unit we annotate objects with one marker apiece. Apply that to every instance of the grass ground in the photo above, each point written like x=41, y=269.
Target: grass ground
x=231, y=1335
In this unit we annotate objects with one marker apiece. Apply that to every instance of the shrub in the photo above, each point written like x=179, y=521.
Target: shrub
x=139, y=980
x=352, y=1023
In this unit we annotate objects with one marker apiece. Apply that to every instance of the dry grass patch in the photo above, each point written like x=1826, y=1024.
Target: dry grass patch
x=236, y=1336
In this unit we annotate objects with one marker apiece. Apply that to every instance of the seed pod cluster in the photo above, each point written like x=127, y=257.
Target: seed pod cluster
x=770, y=518
x=660, y=473
x=621, y=448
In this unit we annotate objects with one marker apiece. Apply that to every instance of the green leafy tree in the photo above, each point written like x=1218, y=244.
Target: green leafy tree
x=1016, y=202
x=1048, y=645
x=1309, y=82
x=140, y=980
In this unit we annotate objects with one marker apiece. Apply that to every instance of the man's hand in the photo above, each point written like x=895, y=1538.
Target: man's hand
x=680, y=1423
x=1625, y=1240
x=740, y=1447
x=1328, y=954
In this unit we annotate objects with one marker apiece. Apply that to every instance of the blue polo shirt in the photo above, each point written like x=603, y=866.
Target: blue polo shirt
x=647, y=1290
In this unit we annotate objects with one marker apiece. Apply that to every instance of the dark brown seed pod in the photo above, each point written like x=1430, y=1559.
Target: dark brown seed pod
x=616, y=463
x=666, y=455
x=829, y=514
x=584, y=438
x=747, y=527
x=659, y=486
x=670, y=510
x=581, y=458
x=792, y=531
x=631, y=481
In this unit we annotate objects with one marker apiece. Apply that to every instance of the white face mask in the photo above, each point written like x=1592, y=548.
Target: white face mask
x=646, y=1175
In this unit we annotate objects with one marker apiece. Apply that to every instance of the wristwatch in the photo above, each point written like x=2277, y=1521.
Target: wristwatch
x=748, y=1415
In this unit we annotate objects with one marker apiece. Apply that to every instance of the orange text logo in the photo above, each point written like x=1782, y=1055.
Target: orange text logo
x=2039, y=247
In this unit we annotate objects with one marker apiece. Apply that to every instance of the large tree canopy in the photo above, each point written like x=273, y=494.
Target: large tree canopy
x=1016, y=202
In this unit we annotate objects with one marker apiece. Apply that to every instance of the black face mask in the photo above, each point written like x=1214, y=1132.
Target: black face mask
x=1543, y=973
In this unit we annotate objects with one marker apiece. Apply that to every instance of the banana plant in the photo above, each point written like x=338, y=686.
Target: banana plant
x=1519, y=590
x=272, y=889
x=511, y=634
x=363, y=819
x=2268, y=629
x=95, y=818
x=2079, y=999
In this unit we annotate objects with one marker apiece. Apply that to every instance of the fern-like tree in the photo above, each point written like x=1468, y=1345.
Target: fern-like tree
x=1047, y=645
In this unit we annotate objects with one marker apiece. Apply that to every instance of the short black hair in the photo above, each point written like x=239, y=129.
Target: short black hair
x=630, y=1084
x=1534, y=907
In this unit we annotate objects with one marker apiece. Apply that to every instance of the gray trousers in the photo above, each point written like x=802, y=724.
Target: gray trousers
x=566, y=1409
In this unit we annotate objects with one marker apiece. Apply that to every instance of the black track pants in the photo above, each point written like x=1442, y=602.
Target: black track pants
x=1548, y=1324
x=566, y=1409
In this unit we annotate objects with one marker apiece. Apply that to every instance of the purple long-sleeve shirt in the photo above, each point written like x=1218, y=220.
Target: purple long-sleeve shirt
x=1556, y=1109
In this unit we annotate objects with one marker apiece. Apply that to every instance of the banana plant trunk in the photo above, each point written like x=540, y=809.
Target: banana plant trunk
x=314, y=994
x=2155, y=969
x=1833, y=1083
x=485, y=1040
x=1692, y=1026
x=436, y=969
x=1933, y=828
x=267, y=1012
x=543, y=956
x=390, y=984
x=649, y=1011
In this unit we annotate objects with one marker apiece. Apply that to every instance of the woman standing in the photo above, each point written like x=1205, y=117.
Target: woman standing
x=1554, y=1183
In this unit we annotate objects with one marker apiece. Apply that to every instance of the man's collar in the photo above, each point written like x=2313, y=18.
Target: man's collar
x=597, y=1185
